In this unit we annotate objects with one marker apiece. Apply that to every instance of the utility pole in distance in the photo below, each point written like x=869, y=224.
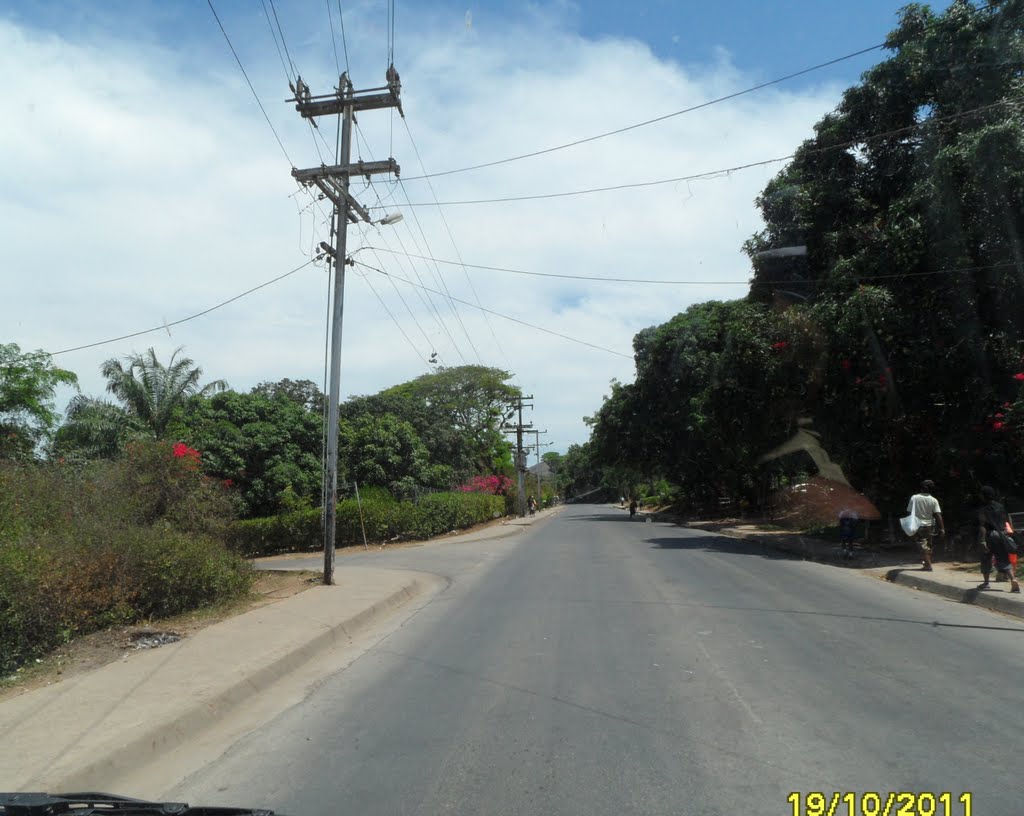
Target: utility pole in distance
x=520, y=453
x=333, y=182
x=536, y=441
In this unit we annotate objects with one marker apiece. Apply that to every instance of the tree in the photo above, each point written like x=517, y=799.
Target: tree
x=95, y=429
x=900, y=333
x=268, y=448
x=305, y=392
x=553, y=459
x=385, y=451
x=456, y=413
x=28, y=384
x=151, y=392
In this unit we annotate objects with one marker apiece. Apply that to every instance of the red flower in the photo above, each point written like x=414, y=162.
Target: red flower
x=1019, y=376
x=997, y=426
x=1006, y=405
x=182, y=451
x=783, y=344
x=227, y=483
x=1000, y=416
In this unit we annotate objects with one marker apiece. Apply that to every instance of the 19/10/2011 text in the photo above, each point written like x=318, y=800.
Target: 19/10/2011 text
x=902, y=803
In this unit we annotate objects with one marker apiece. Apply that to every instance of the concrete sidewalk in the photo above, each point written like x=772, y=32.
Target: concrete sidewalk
x=958, y=584
x=956, y=581
x=82, y=733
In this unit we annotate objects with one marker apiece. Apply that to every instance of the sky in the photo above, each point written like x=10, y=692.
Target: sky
x=142, y=183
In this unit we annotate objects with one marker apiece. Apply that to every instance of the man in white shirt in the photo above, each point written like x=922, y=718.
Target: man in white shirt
x=926, y=507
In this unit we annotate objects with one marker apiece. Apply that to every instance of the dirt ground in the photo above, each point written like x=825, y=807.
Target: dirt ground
x=92, y=651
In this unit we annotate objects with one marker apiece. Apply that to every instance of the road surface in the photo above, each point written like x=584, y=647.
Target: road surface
x=597, y=665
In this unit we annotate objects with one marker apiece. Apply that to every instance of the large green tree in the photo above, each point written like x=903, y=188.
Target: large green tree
x=456, y=412
x=900, y=332
x=268, y=447
x=385, y=451
x=28, y=385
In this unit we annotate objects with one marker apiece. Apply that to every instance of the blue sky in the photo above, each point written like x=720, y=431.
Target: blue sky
x=139, y=144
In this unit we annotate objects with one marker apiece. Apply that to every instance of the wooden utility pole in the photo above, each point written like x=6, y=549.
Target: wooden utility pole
x=333, y=182
x=520, y=453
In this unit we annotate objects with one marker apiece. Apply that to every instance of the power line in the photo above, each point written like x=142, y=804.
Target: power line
x=334, y=38
x=507, y=317
x=398, y=292
x=725, y=171
x=440, y=278
x=280, y=30
x=428, y=301
x=273, y=34
x=435, y=272
x=451, y=238
x=600, y=279
x=344, y=43
x=657, y=119
x=249, y=82
x=647, y=122
x=163, y=326
x=394, y=320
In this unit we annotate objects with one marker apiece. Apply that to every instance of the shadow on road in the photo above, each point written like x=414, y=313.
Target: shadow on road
x=723, y=544
x=617, y=517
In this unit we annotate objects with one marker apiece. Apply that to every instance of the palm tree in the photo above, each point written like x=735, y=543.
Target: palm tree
x=150, y=391
x=94, y=429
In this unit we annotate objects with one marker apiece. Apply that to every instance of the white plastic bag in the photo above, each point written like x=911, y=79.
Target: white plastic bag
x=910, y=524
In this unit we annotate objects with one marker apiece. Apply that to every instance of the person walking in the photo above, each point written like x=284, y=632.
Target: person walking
x=925, y=507
x=632, y=508
x=994, y=540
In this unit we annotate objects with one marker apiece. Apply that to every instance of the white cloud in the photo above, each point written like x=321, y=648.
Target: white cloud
x=141, y=185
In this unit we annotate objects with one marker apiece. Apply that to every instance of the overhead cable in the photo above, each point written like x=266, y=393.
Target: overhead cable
x=164, y=326
x=725, y=171
x=508, y=317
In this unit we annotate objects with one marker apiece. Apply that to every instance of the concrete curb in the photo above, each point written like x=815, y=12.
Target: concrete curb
x=996, y=601
x=157, y=738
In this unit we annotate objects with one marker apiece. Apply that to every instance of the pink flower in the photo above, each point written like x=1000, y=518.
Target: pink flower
x=1019, y=376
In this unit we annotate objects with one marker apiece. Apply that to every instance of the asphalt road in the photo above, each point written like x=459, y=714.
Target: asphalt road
x=594, y=665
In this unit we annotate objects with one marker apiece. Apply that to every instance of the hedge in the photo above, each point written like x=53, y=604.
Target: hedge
x=384, y=518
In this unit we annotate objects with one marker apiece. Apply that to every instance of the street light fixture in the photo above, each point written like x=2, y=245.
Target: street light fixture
x=394, y=218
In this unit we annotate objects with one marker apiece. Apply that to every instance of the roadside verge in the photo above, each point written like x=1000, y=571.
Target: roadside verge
x=104, y=725
x=955, y=585
x=947, y=581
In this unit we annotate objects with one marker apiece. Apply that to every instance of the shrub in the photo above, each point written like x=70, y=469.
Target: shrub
x=87, y=546
x=383, y=517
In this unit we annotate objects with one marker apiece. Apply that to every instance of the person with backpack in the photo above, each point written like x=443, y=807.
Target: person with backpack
x=994, y=540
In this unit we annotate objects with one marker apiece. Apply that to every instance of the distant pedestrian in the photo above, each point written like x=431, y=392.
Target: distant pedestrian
x=994, y=540
x=925, y=507
x=848, y=530
x=531, y=503
x=632, y=508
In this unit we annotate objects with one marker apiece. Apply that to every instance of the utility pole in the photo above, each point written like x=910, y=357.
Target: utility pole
x=333, y=183
x=536, y=440
x=520, y=453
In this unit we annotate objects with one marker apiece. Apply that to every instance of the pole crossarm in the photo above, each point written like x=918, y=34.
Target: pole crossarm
x=359, y=168
x=309, y=106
